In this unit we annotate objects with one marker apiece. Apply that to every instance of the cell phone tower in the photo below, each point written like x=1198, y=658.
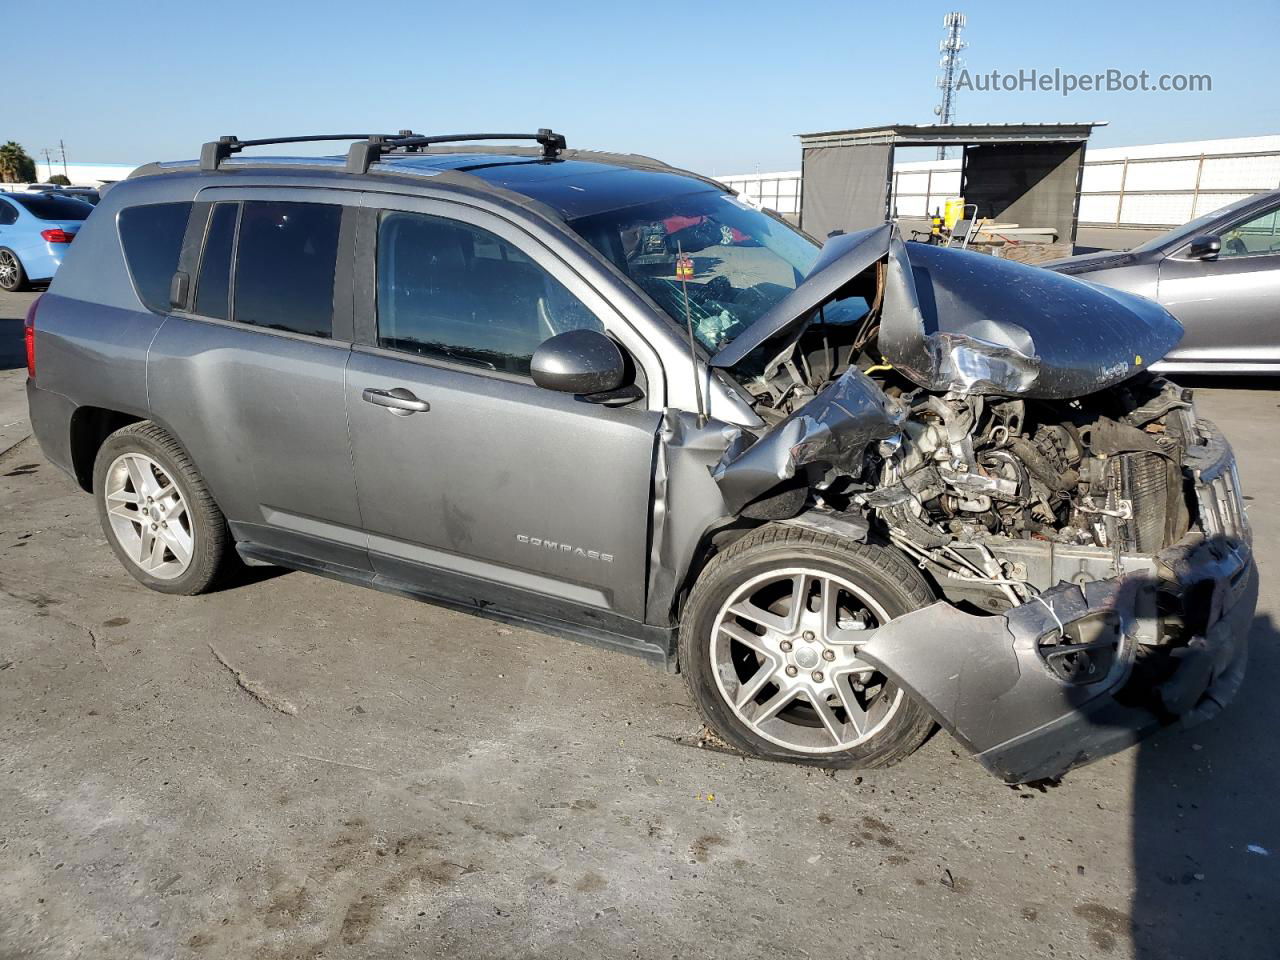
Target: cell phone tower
x=950, y=63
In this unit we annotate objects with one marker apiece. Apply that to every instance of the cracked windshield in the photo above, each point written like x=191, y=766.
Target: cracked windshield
x=736, y=261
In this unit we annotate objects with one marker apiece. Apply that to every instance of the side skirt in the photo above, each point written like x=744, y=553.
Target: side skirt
x=657, y=645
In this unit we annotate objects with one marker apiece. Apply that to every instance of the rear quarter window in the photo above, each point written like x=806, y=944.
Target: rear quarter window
x=152, y=239
x=46, y=207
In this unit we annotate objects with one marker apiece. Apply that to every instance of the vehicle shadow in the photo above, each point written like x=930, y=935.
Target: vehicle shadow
x=242, y=575
x=1206, y=833
x=13, y=352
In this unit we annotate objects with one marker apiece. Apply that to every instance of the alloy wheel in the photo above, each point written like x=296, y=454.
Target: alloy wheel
x=149, y=516
x=8, y=270
x=784, y=652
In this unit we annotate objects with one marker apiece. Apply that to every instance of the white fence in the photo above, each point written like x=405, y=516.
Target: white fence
x=1157, y=185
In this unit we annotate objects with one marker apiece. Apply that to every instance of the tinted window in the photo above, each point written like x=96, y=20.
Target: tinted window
x=152, y=239
x=8, y=213
x=456, y=292
x=214, y=286
x=285, y=260
x=46, y=206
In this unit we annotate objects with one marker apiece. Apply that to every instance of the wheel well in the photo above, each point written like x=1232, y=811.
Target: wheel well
x=90, y=426
x=716, y=538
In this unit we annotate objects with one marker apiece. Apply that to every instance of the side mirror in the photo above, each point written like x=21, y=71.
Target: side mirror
x=579, y=361
x=1205, y=247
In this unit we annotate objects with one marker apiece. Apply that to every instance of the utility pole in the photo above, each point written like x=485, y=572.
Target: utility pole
x=48, y=165
x=950, y=63
x=63, y=148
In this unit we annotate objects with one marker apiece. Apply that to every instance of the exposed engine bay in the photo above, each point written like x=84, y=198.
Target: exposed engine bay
x=967, y=472
x=999, y=492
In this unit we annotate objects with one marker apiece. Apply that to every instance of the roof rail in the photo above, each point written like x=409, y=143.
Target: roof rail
x=362, y=155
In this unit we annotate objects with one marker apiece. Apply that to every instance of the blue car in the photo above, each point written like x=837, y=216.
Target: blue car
x=35, y=230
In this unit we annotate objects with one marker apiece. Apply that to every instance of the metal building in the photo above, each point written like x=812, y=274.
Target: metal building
x=1027, y=173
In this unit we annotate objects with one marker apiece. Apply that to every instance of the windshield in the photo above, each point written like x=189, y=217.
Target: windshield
x=734, y=261
x=47, y=207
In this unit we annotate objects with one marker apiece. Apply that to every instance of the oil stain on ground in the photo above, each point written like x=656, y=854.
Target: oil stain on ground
x=1106, y=924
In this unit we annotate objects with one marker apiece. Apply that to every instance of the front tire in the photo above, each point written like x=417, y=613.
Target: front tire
x=12, y=276
x=157, y=513
x=768, y=647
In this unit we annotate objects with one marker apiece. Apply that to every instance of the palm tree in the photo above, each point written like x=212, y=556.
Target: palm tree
x=15, y=165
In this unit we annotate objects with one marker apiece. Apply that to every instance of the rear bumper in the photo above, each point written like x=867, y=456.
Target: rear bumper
x=51, y=424
x=1167, y=646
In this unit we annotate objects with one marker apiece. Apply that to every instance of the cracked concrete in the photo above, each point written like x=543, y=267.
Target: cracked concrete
x=452, y=787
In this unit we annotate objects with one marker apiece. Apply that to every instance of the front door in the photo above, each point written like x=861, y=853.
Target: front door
x=473, y=481
x=1230, y=305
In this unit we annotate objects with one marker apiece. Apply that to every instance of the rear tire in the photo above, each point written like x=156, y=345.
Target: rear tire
x=12, y=275
x=837, y=711
x=157, y=513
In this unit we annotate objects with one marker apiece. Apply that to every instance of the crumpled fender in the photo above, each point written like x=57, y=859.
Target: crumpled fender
x=834, y=427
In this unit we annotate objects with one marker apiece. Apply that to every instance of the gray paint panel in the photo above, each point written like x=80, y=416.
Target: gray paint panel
x=261, y=414
x=495, y=460
x=94, y=354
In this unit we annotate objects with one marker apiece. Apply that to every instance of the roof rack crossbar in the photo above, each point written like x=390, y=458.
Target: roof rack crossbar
x=371, y=146
x=362, y=155
x=215, y=151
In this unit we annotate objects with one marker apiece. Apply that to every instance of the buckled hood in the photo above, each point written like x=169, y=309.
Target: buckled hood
x=952, y=320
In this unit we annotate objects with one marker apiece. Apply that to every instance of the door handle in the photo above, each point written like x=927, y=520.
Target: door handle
x=397, y=400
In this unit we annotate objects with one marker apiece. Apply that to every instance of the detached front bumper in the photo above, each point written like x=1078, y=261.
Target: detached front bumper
x=1074, y=674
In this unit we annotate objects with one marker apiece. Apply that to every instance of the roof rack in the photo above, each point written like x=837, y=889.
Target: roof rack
x=374, y=145
x=361, y=155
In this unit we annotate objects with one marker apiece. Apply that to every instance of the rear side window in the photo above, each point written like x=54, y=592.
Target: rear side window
x=456, y=292
x=213, y=289
x=8, y=213
x=284, y=266
x=152, y=239
x=49, y=207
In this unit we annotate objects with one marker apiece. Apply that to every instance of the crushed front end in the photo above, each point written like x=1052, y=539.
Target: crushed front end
x=1126, y=608
x=1083, y=528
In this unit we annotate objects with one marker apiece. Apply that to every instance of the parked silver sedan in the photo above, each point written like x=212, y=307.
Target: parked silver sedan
x=1218, y=274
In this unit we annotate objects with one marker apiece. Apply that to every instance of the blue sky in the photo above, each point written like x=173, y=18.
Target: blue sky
x=721, y=87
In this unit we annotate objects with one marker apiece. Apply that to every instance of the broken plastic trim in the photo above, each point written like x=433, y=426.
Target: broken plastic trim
x=984, y=679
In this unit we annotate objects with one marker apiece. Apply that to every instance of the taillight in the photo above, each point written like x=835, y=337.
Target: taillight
x=57, y=235
x=29, y=336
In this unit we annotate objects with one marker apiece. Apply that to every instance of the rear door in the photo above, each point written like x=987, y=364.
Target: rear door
x=1229, y=306
x=250, y=375
x=482, y=485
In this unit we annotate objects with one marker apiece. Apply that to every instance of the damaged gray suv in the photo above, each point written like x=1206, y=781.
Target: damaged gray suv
x=851, y=491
